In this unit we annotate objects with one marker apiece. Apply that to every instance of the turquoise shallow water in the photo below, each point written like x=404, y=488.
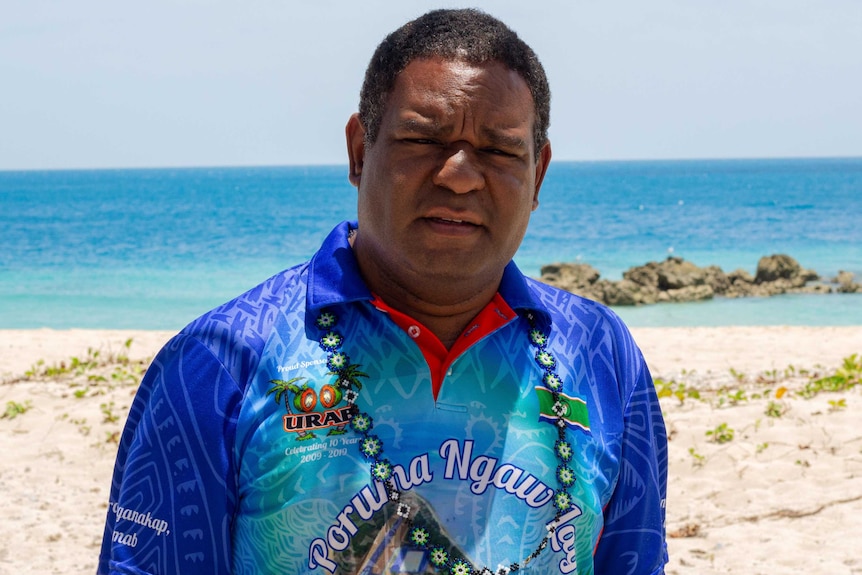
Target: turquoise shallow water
x=153, y=248
x=835, y=310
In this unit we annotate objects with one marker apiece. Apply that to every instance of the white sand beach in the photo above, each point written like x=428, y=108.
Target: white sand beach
x=762, y=480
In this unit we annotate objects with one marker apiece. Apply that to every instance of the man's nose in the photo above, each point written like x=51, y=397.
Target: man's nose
x=461, y=171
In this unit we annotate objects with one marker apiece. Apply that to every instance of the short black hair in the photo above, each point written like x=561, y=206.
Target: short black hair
x=468, y=35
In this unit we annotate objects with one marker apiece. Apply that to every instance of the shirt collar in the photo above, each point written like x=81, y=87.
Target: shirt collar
x=517, y=293
x=333, y=273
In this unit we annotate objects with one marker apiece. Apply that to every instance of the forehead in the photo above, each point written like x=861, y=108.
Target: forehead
x=438, y=87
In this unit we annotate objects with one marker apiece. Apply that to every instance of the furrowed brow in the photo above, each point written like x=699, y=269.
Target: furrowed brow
x=420, y=126
x=505, y=141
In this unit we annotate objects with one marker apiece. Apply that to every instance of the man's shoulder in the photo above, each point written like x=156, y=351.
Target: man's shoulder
x=557, y=300
x=236, y=331
x=569, y=311
x=255, y=306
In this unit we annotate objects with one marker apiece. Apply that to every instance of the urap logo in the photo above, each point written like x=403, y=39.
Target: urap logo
x=309, y=409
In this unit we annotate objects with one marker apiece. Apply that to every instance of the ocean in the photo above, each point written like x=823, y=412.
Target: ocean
x=154, y=248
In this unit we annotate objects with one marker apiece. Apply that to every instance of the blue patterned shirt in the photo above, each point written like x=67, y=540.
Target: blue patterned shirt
x=239, y=456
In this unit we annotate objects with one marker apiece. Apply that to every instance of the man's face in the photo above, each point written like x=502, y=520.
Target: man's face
x=447, y=189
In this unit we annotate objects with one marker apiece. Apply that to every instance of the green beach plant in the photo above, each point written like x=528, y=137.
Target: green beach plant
x=775, y=409
x=837, y=404
x=81, y=423
x=770, y=376
x=675, y=389
x=737, y=375
x=128, y=373
x=698, y=459
x=14, y=409
x=845, y=378
x=721, y=434
x=737, y=396
x=108, y=413
x=93, y=360
x=731, y=396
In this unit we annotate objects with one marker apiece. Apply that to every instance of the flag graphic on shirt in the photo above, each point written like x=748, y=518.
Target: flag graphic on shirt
x=572, y=410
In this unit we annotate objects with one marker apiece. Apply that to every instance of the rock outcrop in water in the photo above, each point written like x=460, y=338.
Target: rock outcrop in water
x=677, y=280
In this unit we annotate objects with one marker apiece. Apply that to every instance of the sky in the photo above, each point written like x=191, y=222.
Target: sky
x=107, y=84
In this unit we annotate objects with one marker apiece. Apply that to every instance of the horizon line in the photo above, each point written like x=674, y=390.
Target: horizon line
x=329, y=164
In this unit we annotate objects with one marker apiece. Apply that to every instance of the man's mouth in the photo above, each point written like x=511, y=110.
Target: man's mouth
x=452, y=221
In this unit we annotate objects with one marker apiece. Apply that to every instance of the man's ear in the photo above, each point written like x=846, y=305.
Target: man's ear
x=355, y=133
x=541, y=169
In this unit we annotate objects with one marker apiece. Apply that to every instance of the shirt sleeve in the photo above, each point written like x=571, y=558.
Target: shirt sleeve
x=633, y=541
x=173, y=493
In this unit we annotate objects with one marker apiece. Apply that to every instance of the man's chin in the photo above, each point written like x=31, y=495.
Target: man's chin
x=458, y=267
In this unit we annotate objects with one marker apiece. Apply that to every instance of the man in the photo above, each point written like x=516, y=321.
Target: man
x=406, y=401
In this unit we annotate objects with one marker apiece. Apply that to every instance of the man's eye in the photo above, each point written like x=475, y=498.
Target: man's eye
x=498, y=152
x=421, y=141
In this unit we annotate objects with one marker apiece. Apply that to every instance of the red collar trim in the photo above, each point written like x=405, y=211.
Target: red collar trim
x=493, y=316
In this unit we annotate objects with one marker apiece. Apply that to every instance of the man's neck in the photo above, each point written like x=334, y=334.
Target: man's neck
x=445, y=305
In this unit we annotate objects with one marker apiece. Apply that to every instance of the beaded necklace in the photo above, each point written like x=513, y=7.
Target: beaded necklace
x=349, y=380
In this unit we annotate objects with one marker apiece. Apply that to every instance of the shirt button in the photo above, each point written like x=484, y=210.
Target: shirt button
x=413, y=331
